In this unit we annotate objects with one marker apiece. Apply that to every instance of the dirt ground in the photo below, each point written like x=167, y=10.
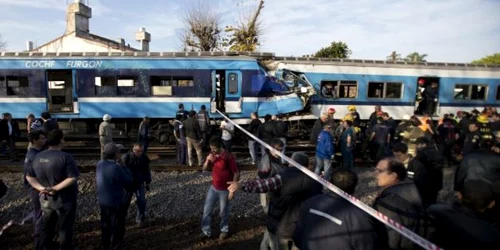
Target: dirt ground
x=160, y=234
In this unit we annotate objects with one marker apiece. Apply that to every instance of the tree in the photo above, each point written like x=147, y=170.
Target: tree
x=394, y=57
x=416, y=57
x=3, y=44
x=202, y=27
x=491, y=59
x=244, y=36
x=335, y=50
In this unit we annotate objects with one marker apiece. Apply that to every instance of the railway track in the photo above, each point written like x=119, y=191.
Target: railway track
x=91, y=150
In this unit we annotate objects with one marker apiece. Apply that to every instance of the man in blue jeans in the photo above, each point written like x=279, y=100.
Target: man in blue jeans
x=138, y=163
x=324, y=152
x=224, y=170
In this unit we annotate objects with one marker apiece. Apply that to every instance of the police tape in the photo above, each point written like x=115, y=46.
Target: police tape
x=376, y=214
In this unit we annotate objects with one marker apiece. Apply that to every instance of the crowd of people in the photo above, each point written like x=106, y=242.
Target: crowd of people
x=300, y=214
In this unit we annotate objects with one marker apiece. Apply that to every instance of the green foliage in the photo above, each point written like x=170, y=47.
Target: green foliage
x=335, y=50
x=394, y=57
x=491, y=59
x=416, y=57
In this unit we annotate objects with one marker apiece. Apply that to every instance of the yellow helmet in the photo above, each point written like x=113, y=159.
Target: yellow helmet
x=351, y=108
x=348, y=117
x=483, y=118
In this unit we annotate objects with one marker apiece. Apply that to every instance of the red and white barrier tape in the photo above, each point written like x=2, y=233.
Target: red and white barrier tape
x=376, y=214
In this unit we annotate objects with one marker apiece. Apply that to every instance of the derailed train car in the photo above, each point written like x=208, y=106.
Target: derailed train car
x=82, y=87
x=395, y=86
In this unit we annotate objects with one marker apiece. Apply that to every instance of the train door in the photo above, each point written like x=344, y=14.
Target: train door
x=233, y=91
x=217, y=99
x=427, y=96
x=61, y=91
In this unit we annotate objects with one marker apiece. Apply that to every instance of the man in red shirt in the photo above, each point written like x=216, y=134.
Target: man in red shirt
x=224, y=170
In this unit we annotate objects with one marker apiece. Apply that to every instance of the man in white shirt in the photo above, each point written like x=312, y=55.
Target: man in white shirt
x=227, y=135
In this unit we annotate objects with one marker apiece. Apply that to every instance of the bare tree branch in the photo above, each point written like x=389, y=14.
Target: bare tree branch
x=245, y=35
x=201, y=31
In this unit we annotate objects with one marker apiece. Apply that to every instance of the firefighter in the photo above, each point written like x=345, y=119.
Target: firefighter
x=484, y=127
x=402, y=129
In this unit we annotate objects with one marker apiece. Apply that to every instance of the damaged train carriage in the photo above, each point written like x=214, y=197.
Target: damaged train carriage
x=78, y=90
x=396, y=87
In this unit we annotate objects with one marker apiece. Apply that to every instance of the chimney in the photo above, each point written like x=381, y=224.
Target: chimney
x=121, y=41
x=144, y=38
x=77, y=17
x=29, y=45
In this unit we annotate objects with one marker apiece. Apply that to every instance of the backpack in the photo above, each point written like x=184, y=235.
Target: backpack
x=36, y=125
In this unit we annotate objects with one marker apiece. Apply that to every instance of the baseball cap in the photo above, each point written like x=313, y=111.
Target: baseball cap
x=331, y=110
x=112, y=148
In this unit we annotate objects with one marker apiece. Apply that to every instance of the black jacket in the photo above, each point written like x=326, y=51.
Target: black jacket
x=139, y=168
x=402, y=203
x=432, y=159
x=253, y=128
x=456, y=227
x=347, y=226
x=266, y=131
x=192, y=128
x=481, y=165
x=50, y=125
x=421, y=177
x=285, y=203
x=4, y=130
x=280, y=129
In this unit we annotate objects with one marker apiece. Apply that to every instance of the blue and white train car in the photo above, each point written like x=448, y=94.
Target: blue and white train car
x=137, y=84
x=394, y=86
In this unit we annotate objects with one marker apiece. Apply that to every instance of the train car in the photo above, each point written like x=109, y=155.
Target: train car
x=82, y=87
x=394, y=86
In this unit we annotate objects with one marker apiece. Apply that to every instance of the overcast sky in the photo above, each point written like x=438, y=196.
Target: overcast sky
x=446, y=30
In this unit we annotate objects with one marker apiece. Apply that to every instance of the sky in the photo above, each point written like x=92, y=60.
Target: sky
x=445, y=30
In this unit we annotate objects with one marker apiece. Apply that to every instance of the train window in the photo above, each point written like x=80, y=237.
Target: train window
x=339, y=89
x=393, y=90
x=127, y=81
x=348, y=89
x=232, y=82
x=105, y=81
x=329, y=89
x=381, y=90
x=16, y=84
x=376, y=89
x=470, y=92
x=498, y=93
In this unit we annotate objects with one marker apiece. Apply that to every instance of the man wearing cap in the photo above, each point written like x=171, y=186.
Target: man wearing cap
x=105, y=133
x=112, y=177
x=331, y=121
